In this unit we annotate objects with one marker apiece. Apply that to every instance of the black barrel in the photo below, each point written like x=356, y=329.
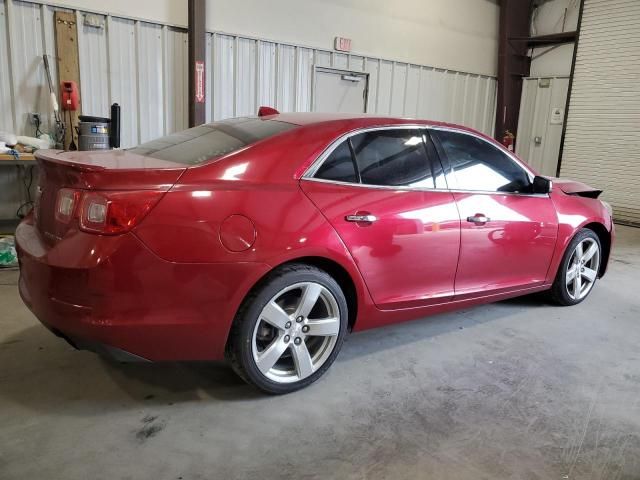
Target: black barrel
x=114, y=133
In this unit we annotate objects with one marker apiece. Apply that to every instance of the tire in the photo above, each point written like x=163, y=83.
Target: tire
x=279, y=320
x=564, y=291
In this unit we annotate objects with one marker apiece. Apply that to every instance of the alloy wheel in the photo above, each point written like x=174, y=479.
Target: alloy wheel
x=296, y=332
x=582, y=269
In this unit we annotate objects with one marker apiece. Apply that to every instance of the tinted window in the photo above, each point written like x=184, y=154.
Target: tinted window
x=339, y=166
x=478, y=165
x=393, y=158
x=204, y=142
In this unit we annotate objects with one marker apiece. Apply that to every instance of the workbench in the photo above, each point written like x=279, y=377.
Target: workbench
x=23, y=159
x=25, y=163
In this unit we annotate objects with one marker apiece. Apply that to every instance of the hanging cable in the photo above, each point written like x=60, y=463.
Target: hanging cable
x=27, y=186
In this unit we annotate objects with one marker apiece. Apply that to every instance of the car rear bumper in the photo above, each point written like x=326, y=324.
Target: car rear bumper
x=100, y=348
x=113, y=295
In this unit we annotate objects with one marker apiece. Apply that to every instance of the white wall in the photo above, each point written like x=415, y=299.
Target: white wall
x=556, y=60
x=456, y=34
x=171, y=12
x=248, y=72
x=417, y=60
x=552, y=16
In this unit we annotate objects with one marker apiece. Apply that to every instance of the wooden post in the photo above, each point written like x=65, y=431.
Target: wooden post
x=197, y=65
x=66, y=31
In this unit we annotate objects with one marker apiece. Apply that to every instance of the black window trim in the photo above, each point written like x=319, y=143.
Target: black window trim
x=354, y=160
x=426, y=144
x=309, y=174
x=450, y=176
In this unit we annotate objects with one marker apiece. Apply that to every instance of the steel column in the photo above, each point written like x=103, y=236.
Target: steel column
x=513, y=63
x=197, y=58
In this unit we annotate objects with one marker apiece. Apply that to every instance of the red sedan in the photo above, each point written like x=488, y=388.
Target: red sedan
x=264, y=240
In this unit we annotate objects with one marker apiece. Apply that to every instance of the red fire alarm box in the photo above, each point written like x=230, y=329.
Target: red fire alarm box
x=69, y=96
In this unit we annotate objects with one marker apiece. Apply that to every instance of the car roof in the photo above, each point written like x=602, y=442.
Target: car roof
x=313, y=133
x=356, y=120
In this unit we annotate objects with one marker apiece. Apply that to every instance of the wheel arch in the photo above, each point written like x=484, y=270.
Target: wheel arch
x=338, y=272
x=605, y=241
x=340, y=275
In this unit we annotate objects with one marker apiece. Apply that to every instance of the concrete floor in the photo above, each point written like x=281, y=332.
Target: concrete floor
x=520, y=389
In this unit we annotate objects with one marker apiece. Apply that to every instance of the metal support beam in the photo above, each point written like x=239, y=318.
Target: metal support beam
x=513, y=63
x=546, y=40
x=197, y=66
x=571, y=76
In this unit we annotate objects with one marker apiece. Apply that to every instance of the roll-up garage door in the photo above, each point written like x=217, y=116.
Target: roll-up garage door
x=602, y=140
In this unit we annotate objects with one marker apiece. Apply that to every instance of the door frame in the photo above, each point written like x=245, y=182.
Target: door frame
x=456, y=191
x=530, y=107
x=337, y=71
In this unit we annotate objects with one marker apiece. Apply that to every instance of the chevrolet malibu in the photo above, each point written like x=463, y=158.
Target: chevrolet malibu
x=264, y=240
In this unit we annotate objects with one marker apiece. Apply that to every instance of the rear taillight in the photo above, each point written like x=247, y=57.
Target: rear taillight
x=105, y=212
x=66, y=202
x=111, y=213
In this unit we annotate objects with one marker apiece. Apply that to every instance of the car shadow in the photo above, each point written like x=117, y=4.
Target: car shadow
x=34, y=360
x=396, y=336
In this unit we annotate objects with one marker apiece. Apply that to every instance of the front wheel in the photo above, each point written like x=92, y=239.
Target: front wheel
x=579, y=269
x=289, y=331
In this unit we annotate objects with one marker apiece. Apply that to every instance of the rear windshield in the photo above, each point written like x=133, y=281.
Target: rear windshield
x=198, y=144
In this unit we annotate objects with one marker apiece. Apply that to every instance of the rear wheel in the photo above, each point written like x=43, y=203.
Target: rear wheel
x=579, y=269
x=289, y=331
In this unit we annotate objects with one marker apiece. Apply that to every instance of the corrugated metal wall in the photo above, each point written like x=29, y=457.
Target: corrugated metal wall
x=28, y=29
x=602, y=141
x=143, y=67
x=140, y=65
x=249, y=72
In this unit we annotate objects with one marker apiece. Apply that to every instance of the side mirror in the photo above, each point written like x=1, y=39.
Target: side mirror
x=541, y=185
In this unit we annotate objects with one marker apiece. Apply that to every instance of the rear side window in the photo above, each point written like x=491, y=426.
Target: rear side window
x=478, y=165
x=199, y=144
x=393, y=158
x=339, y=166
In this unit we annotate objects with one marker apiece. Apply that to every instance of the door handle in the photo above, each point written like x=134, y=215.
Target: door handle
x=478, y=219
x=361, y=218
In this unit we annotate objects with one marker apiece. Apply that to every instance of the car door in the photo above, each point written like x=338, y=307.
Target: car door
x=507, y=233
x=384, y=192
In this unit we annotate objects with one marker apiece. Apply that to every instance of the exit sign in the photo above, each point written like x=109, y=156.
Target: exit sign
x=343, y=44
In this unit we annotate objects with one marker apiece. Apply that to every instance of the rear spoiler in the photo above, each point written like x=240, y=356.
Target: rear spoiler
x=53, y=157
x=266, y=111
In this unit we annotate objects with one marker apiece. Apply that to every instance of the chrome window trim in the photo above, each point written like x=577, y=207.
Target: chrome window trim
x=422, y=189
x=317, y=163
x=313, y=168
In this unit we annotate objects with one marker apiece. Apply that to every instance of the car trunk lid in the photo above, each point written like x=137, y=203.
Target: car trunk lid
x=116, y=170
